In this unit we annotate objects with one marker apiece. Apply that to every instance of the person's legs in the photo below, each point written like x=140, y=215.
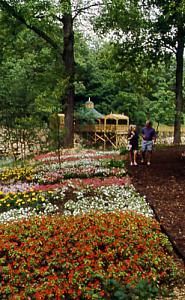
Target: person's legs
x=143, y=146
x=149, y=152
x=135, y=157
x=149, y=157
x=131, y=157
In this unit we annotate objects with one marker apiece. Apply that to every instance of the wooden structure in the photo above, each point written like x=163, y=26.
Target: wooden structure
x=109, y=130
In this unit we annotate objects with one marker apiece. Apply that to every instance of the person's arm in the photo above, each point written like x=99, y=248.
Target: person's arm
x=142, y=134
x=130, y=136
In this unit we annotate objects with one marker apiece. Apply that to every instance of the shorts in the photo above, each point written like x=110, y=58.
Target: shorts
x=147, y=145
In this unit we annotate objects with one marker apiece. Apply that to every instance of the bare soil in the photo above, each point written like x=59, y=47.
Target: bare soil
x=163, y=184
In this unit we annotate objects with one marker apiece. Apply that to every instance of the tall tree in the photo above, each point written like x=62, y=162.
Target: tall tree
x=153, y=29
x=53, y=22
x=168, y=30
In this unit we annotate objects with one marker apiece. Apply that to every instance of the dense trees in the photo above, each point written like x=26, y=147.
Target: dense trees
x=53, y=21
x=30, y=75
x=132, y=73
x=153, y=30
x=115, y=85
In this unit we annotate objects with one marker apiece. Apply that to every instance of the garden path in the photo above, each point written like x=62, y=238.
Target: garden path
x=163, y=183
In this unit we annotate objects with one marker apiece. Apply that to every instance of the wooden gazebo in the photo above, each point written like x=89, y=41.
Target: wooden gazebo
x=109, y=129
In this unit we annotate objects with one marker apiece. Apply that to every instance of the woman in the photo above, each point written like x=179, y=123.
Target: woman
x=133, y=138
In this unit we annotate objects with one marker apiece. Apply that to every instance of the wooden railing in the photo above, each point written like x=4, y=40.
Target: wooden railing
x=102, y=128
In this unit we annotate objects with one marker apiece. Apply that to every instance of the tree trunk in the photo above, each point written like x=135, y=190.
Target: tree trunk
x=179, y=86
x=68, y=58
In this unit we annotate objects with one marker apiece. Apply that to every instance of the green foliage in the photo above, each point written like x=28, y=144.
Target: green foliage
x=119, y=77
x=150, y=38
x=29, y=83
x=56, y=131
x=113, y=290
x=84, y=116
x=123, y=150
x=112, y=163
x=135, y=90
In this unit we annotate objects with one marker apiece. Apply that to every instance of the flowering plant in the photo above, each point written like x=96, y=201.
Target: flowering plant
x=62, y=257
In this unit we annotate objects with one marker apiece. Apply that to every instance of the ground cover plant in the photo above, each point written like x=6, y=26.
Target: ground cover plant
x=65, y=235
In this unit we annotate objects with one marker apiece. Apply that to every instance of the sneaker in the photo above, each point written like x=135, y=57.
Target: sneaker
x=142, y=161
x=148, y=163
x=131, y=163
x=135, y=163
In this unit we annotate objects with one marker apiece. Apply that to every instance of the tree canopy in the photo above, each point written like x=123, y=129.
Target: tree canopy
x=48, y=64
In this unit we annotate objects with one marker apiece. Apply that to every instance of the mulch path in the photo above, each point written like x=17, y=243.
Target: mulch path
x=163, y=184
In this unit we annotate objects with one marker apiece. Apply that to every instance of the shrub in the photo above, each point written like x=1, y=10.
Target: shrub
x=112, y=163
x=123, y=150
x=113, y=290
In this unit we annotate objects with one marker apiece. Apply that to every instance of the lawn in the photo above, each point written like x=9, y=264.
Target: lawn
x=75, y=228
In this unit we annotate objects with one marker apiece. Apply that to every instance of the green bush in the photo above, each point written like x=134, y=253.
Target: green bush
x=123, y=150
x=112, y=163
x=113, y=290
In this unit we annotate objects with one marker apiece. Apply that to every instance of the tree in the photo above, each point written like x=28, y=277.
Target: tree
x=139, y=91
x=53, y=22
x=152, y=29
x=28, y=89
x=169, y=33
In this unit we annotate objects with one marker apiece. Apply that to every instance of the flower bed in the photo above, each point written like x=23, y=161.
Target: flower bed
x=66, y=227
x=65, y=257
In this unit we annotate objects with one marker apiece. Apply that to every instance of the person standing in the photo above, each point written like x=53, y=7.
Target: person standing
x=133, y=145
x=148, y=140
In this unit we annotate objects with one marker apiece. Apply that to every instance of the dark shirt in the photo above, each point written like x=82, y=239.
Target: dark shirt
x=133, y=139
x=149, y=133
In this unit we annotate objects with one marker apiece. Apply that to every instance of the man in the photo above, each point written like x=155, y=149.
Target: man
x=148, y=140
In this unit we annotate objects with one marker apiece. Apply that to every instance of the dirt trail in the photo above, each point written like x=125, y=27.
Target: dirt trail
x=163, y=183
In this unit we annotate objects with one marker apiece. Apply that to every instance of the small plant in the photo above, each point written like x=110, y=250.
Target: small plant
x=112, y=163
x=113, y=290
x=123, y=150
